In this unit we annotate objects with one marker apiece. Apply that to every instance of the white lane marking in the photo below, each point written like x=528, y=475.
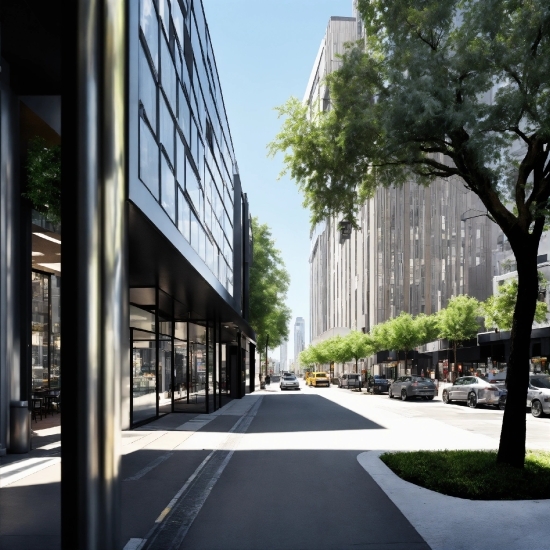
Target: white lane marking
x=159, y=460
x=14, y=472
x=230, y=444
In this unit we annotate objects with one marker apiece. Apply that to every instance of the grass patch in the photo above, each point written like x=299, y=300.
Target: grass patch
x=474, y=474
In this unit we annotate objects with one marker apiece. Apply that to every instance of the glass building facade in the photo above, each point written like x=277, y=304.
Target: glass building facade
x=185, y=154
x=189, y=223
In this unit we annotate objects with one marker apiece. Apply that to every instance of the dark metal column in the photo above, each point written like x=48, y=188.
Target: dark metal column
x=208, y=367
x=94, y=294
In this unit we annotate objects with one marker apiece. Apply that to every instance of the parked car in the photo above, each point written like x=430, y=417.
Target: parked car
x=412, y=386
x=538, y=395
x=378, y=384
x=318, y=379
x=474, y=391
x=289, y=382
x=347, y=380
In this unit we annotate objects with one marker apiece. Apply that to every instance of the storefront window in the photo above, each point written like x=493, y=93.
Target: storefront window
x=40, y=330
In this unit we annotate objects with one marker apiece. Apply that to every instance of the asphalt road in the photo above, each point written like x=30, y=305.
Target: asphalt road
x=314, y=497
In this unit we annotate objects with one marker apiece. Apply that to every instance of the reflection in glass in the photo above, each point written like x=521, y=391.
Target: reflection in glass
x=166, y=128
x=181, y=161
x=143, y=376
x=184, y=115
x=40, y=329
x=168, y=74
x=149, y=26
x=192, y=187
x=142, y=319
x=147, y=89
x=194, y=232
x=183, y=215
x=165, y=372
x=168, y=194
x=148, y=159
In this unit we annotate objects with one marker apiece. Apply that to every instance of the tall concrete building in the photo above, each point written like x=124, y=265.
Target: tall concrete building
x=283, y=355
x=411, y=252
x=299, y=336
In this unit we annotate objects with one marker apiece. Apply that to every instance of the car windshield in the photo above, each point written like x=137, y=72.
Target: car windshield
x=289, y=378
x=541, y=382
x=321, y=375
x=353, y=375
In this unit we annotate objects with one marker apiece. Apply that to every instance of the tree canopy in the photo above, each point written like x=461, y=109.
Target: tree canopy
x=457, y=89
x=269, y=281
x=498, y=309
x=459, y=320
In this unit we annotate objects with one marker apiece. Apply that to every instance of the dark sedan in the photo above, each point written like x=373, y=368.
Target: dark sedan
x=378, y=384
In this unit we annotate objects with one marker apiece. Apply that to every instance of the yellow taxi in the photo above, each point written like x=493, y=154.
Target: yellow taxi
x=318, y=379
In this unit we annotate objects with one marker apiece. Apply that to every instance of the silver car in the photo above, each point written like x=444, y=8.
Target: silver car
x=289, y=382
x=538, y=395
x=412, y=386
x=474, y=391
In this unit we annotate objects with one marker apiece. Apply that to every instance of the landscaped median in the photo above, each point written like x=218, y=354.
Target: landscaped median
x=473, y=475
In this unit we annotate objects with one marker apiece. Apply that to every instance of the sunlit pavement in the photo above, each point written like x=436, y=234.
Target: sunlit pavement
x=273, y=470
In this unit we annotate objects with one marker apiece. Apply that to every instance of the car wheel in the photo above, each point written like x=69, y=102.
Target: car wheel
x=446, y=399
x=472, y=400
x=390, y=395
x=536, y=409
x=430, y=397
x=502, y=406
x=403, y=394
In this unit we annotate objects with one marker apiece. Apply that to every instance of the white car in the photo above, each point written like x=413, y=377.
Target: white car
x=538, y=395
x=474, y=390
x=289, y=382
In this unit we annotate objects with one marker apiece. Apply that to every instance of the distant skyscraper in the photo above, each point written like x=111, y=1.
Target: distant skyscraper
x=299, y=336
x=284, y=355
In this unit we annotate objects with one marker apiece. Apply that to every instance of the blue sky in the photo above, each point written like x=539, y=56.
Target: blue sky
x=265, y=50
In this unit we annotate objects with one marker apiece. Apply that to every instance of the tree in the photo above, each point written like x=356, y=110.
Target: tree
x=355, y=346
x=441, y=89
x=404, y=334
x=269, y=280
x=498, y=309
x=459, y=320
x=427, y=327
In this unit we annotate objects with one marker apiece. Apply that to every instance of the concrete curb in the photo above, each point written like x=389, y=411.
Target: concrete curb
x=450, y=523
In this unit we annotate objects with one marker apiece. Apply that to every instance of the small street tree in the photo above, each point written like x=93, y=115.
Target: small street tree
x=356, y=345
x=269, y=280
x=498, y=309
x=459, y=320
x=427, y=327
x=405, y=334
x=454, y=89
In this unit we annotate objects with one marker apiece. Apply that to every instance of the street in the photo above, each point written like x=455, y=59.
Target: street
x=272, y=470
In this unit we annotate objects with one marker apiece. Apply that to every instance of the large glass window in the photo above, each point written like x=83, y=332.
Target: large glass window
x=148, y=159
x=40, y=330
x=147, y=89
x=149, y=26
x=168, y=194
x=166, y=129
x=144, y=377
x=183, y=215
x=168, y=74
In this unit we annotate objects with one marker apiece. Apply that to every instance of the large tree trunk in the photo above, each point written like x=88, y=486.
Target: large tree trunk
x=512, y=437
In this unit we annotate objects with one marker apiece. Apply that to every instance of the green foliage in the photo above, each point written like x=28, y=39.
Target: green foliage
x=472, y=474
x=338, y=349
x=428, y=329
x=43, y=171
x=459, y=320
x=269, y=281
x=417, y=90
x=498, y=310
